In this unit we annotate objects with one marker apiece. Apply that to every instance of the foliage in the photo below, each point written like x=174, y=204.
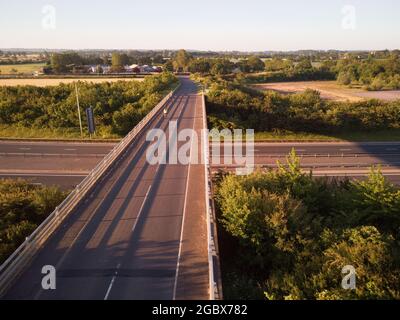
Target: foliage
x=295, y=234
x=117, y=106
x=231, y=105
x=372, y=74
x=181, y=60
x=23, y=207
x=62, y=62
x=118, y=61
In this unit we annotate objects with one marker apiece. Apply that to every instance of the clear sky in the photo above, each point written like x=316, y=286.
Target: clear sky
x=246, y=25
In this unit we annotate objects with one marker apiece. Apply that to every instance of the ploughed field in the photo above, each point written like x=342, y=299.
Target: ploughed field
x=330, y=90
x=54, y=82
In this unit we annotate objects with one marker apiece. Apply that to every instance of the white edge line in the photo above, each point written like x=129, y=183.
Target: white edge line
x=184, y=210
x=207, y=199
x=112, y=282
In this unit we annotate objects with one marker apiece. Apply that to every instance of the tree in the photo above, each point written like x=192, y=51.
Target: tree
x=304, y=65
x=63, y=62
x=344, y=78
x=117, y=62
x=169, y=66
x=181, y=60
x=99, y=69
x=295, y=234
x=221, y=67
x=199, y=65
x=255, y=64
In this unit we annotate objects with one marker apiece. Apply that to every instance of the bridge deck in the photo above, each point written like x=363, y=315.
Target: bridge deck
x=140, y=235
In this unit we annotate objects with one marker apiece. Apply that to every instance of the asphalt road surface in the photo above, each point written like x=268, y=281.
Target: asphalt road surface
x=66, y=164
x=335, y=156
x=141, y=234
x=54, y=148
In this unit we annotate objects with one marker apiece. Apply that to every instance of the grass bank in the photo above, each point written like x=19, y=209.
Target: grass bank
x=13, y=132
x=353, y=136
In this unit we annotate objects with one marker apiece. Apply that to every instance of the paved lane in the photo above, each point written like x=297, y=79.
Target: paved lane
x=325, y=148
x=315, y=155
x=68, y=163
x=55, y=148
x=65, y=181
x=126, y=241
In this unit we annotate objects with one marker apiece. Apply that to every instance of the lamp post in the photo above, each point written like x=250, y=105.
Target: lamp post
x=79, y=109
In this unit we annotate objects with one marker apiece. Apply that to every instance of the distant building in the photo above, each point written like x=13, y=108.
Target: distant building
x=146, y=69
x=157, y=69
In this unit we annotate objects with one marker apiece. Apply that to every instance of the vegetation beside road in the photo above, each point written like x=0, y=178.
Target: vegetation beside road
x=51, y=111
x=287, y=235
x=301, y=116
x=23, y=207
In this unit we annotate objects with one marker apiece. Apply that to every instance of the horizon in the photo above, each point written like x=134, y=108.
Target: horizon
x=225, y=26
x=195, y=50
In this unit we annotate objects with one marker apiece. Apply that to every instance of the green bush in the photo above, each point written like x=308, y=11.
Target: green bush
x=295, y=233
x=233, y=106
x=23, y=207
x=54, y=107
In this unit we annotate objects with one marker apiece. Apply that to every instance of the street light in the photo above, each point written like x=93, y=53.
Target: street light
x=79, y=109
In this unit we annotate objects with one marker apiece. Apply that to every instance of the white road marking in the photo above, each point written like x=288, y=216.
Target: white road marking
x=184, y=210
x=70, y=149
x=61, y=261
x=345, y=149
x=40, y=175
x=300, y=150
x=141, y=208
x=112, y=282
x=24, y=148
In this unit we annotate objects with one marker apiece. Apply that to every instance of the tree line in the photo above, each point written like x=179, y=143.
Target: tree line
x=64, y=62
x=371, y=74
x=231, y=105
x=374, y=72
x=118, y=106
x=287, y=235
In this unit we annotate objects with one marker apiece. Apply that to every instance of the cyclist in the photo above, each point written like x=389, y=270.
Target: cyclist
x=165, y=112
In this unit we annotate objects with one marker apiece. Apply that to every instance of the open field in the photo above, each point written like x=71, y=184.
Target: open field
x=20, y=68
x=330, y=90
x=53, y=82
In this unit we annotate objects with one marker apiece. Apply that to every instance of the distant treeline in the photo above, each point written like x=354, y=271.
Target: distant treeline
x=118, y=106
x=21, y=62
x=66, y=61
x=370, y=74
x=231, y=105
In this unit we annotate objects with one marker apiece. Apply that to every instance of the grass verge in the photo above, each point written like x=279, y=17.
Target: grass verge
x=381, y=135
x=13, y=132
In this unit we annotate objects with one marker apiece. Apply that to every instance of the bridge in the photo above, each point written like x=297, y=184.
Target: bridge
x=130, y=230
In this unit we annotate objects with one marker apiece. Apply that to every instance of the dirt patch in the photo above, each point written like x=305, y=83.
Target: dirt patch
x=329, y=90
